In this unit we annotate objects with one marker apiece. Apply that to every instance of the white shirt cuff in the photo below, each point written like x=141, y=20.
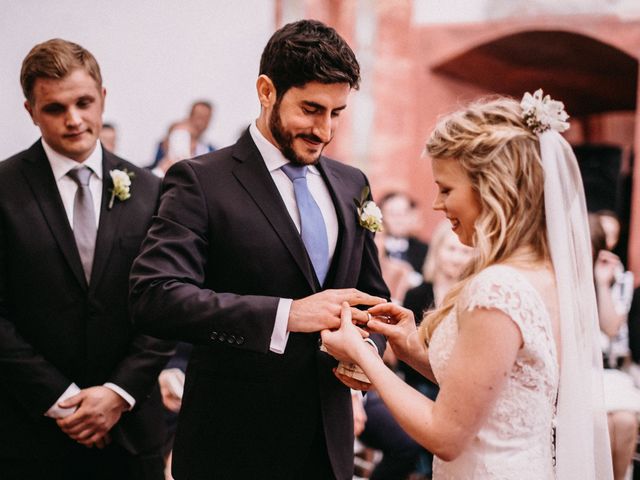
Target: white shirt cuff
x=127, y=398
x=371, y=342
x=280, y=335
x=58, y=412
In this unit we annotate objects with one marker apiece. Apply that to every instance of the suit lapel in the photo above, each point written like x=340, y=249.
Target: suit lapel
x=345, y=212
x=109, y=219
x=39, y=176
x=253, y=175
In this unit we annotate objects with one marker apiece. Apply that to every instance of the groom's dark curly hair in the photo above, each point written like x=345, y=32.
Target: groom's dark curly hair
x=308, y=51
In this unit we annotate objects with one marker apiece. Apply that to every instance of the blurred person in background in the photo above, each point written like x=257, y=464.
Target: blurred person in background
x=196, y=124
x=622, y=398
x=610, y=226
x=177, y=146
x=402, y=255
x=109, y=137
x=399, y=211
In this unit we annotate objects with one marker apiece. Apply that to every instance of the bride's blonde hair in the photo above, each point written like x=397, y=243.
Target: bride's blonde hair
x=501, y=156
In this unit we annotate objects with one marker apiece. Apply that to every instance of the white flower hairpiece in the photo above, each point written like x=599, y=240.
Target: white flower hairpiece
x=543, y=113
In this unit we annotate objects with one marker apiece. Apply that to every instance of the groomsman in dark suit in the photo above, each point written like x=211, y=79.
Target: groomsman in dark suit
x=78, y=390
x=253, y=250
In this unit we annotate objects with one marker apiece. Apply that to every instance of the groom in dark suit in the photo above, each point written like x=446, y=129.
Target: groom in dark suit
x=78, y=390
x=253, y=250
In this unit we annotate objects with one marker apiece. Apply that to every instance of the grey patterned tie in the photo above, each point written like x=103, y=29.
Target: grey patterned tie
x=84, y=218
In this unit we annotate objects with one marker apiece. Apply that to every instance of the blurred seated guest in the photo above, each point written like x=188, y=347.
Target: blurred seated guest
x=445, y=263
x=442, y=268
x=400, y=220
x=108, y=136
x=634, y=337
x=177, y=145
x=359, y=414
x=622, y=399
x=381, y=432
x=171, y=381
x=197, y=123
x=397, y=274
x=611, y=227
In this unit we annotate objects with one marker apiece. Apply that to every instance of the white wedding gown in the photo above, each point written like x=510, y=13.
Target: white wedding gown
x=516, y=442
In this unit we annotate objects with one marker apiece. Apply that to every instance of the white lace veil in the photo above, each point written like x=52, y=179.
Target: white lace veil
x=582, y=438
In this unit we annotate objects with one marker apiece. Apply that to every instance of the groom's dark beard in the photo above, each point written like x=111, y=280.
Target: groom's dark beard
x=285, y=139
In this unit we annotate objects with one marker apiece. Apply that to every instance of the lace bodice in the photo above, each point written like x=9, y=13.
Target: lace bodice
x=516, y=440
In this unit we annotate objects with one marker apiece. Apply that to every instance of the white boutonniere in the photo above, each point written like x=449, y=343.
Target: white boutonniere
x=543, y=113
x=369, y=214
x=121, y=180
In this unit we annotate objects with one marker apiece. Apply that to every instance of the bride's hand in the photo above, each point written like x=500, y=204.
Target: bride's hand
x=345, y=343
x=398, y=325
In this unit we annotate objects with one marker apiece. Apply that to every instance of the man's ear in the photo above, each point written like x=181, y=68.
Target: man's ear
x=29, y=109
x=266, y=91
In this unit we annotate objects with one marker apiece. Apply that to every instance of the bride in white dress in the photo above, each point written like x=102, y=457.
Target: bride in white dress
x=514, y=345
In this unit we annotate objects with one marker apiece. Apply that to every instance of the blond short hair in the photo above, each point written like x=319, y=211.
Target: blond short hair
x=56, y=58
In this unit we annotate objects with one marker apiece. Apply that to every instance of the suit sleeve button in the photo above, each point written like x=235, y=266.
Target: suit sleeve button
x=222, y=337
x=239, y=339
x=231, y=338
x=214, y=336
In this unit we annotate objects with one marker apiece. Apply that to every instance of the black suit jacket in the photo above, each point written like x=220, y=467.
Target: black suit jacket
x=218, y=257
x=54, y=328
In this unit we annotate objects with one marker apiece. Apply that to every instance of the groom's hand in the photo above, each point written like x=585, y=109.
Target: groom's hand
x=98, y=410
x=322, y=310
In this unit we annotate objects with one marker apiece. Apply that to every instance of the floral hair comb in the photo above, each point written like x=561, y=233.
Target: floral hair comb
x=543, y=113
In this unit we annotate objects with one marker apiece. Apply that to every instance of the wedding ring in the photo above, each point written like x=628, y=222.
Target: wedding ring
x=368, y=318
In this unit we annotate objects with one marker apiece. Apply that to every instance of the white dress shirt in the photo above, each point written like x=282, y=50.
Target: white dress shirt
x=274, y=160
x=61, y=165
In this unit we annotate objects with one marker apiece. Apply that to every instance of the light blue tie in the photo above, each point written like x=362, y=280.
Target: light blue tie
x=312, y=227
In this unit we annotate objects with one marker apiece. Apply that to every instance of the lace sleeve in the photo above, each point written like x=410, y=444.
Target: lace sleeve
x=504, y=289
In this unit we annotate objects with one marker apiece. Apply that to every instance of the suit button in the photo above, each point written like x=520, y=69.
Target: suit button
x=214, y=336
x=239, y=339
x=222, y=337
x=231, y=338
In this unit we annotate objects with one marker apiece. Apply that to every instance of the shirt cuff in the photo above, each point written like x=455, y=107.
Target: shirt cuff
x=58, y=412
x=280, y=335
x=127, y=398
x=371, y=342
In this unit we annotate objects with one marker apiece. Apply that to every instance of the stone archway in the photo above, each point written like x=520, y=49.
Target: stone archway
x=589, y=75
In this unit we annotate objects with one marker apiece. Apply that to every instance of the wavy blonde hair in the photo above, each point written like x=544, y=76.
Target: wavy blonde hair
x=501, y=156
